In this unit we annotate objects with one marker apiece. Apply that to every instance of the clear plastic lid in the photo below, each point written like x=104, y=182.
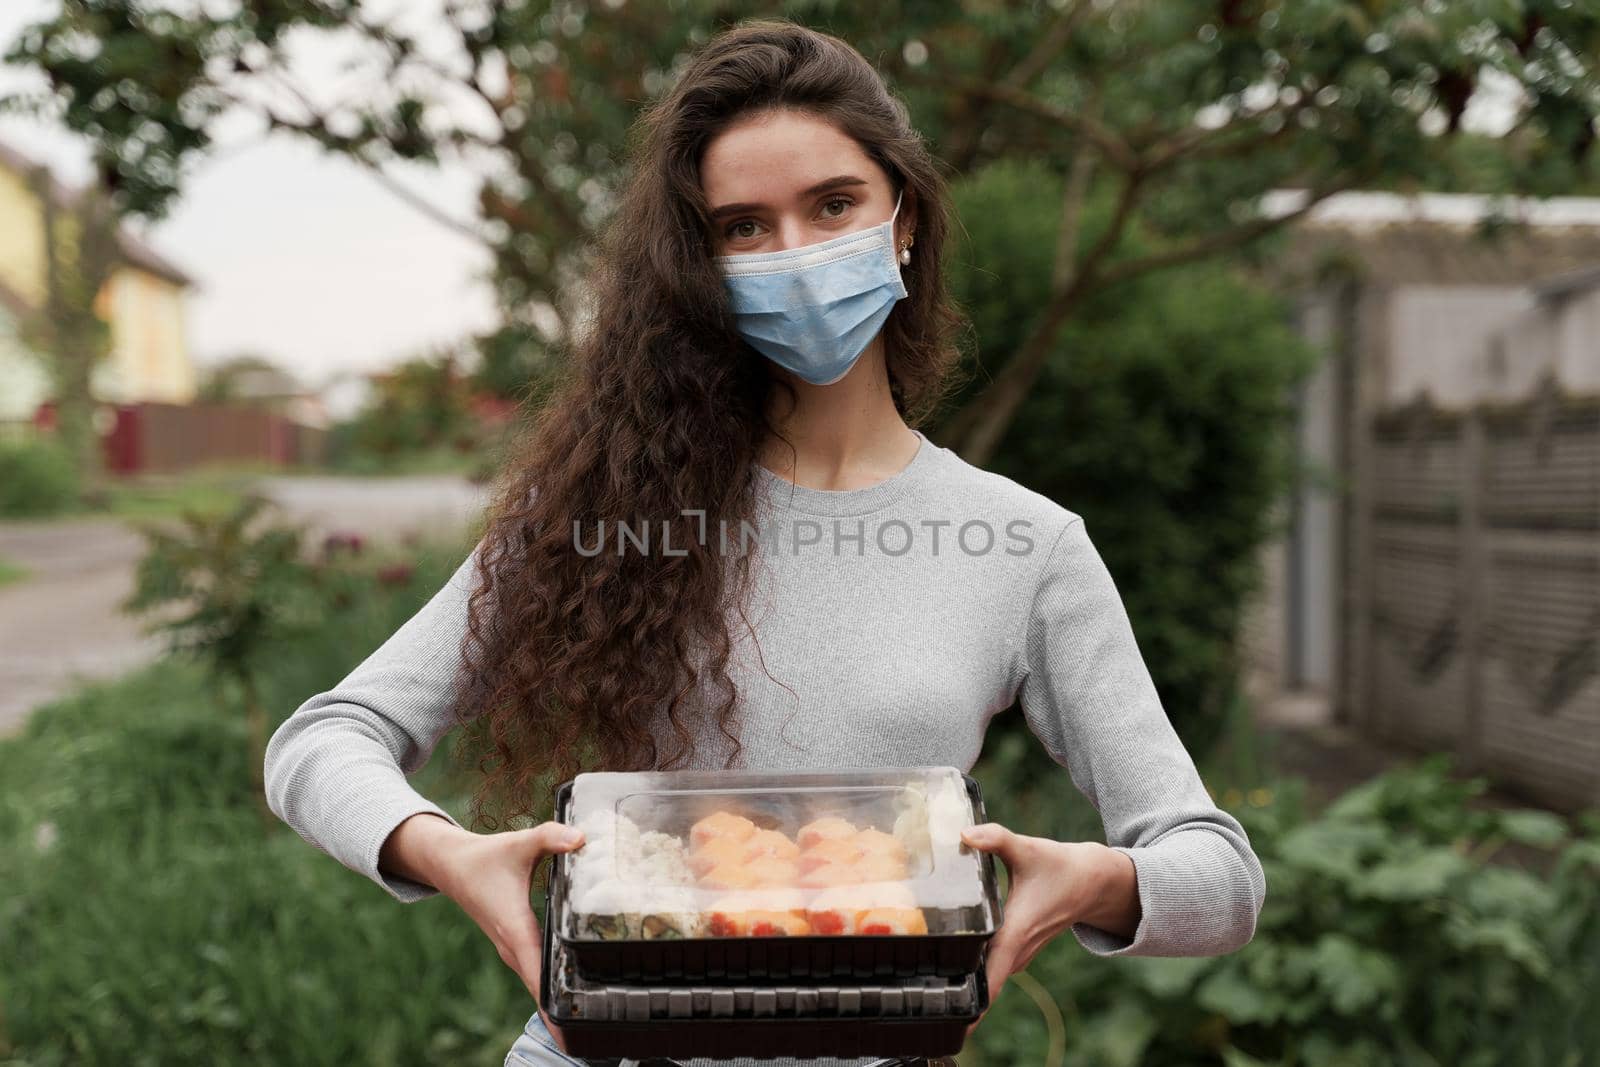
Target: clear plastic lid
x=672, y=855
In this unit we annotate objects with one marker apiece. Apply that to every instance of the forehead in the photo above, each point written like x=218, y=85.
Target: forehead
x=771, y=156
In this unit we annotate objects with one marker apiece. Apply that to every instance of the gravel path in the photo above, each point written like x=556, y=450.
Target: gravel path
x=60, y=625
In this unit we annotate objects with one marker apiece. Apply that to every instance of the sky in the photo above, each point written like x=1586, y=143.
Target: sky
x=298, y=256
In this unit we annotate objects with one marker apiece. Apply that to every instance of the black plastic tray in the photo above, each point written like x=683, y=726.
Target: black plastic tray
x=914, y=1017
x=764, y=959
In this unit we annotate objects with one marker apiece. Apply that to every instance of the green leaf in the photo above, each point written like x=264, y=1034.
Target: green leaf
x=1505, y=891
x=1355, y=978
x=1167, y=977
x=1332, y=849
x=1504, y=936
x=1233, y=1057
x=1540, y=829
x=1121, y=1034
x=1418, y=876
x=1229, y=993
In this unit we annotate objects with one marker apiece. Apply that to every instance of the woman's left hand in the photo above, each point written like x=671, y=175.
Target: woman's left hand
x=1053, y=885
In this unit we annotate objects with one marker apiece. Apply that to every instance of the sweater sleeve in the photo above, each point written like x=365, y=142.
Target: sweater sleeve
x=336, y=769
x=1088, y=696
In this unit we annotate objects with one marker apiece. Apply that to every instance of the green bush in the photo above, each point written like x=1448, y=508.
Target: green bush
x=147, y=918
x=419, y=420
x=1161, y=418
x=36, y=478
x=1387, y=937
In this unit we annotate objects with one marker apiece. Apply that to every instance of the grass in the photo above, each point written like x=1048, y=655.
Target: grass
x=439, y=460
x=213, y=491
x=11, y=572
x=146, y=917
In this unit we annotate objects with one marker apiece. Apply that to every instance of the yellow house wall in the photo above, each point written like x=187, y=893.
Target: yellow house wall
x=149, y=357
x=21, y=238
x=149, y=352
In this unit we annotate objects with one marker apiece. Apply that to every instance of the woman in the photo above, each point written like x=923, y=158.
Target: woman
x=725, y=545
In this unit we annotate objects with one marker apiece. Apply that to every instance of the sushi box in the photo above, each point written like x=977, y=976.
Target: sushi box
x=729, y=914
x=903, y=1017
x=744, y=876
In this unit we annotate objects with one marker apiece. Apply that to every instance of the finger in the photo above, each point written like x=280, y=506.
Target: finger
x=999, y=964
x=548, y=837
x=992, y=837
x=534, y=979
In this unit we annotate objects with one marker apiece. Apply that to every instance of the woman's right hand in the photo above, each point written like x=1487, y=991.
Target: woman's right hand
x=489, y=875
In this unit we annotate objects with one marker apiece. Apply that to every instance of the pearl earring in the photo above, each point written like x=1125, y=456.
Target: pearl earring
x=905, y=253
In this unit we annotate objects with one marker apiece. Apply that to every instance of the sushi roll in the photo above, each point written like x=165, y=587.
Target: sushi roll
x=840, y=850
x=880, y=868
x=758, y=914
x=720, y=824
x=877, y=843
x=621, y=909
x=830, y=826
x=891, y=921
x=728, y=917
x=609, y=910
x=844, y=909
x=769, y=843
x=714, y=853
x=730, y=876
x=829, y=875
x=778, y=924
x=772, y=871
x=670, y=914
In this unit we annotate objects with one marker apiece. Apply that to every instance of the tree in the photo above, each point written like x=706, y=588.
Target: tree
x=81, y=251
x=1181, y=114
x=247, y=377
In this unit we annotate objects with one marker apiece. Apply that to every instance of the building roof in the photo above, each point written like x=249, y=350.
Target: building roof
x=134, y=249
x=1372, y=209
x=1568, y=283
x=1440, y=239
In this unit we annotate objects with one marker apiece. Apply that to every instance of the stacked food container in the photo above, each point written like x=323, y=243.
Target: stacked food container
x=726, y=914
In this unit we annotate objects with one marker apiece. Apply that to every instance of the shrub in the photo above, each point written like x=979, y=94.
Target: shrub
x=1387, y=936
x=1161, y=418
x=145, y=918
x=37, y=478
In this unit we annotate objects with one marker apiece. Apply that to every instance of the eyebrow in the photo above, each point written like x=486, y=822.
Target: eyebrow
x=828, y=185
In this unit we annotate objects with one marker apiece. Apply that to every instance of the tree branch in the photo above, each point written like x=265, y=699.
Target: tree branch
x=1227, y=239
x=1106, y=140
x=1048, y=46
x=977, y=428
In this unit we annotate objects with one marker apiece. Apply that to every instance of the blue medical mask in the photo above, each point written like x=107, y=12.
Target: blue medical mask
x=813, y=310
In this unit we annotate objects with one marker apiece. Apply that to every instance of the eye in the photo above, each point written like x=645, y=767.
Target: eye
x=845, y=201
x=734, y=231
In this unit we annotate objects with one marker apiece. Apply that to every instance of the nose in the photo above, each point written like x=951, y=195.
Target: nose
x=792, y=232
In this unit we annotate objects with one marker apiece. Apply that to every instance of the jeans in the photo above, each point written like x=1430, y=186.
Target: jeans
x=537, y=1048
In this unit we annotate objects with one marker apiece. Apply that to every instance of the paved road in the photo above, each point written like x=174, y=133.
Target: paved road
x=61, y=626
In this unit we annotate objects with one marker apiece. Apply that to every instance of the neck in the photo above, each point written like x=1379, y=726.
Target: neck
x=847, y=435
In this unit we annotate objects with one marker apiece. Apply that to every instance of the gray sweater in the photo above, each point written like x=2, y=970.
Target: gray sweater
x=888, y=626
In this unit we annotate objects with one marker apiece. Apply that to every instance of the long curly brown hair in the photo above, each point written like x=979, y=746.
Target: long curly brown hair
x=618, y=660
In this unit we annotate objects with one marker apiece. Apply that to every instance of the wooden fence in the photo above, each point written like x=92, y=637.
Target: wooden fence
x=1475, y=626
x=151, y=437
